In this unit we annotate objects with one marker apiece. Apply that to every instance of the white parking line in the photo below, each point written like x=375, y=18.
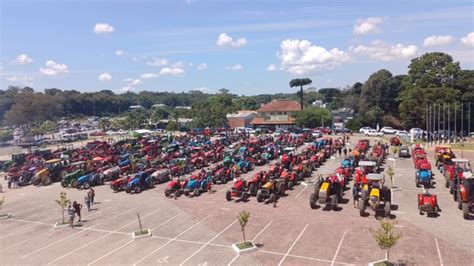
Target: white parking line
x=171, y=240
x=292, y=245
x=338, y=247
x=26, y=240
x=439, y=253
x=299, y=193
x=207, y=243
x=236, y=257
x=110, y=252
x=61, y=240
x=102, y=237
x=165, y=222
x=261, y=231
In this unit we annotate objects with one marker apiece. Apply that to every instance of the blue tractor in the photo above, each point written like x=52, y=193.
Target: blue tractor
x=243, y=164
x=348, y=163
x=140, y=181
x=92, y=179
x=198, y=185
x=124, y=160
x=424, y=177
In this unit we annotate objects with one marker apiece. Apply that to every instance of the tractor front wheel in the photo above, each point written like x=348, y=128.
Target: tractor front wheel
x=228, y=195
x=259, y=196
x=64, y=184
x=465, y=210
x=196, y=192
x=459, y=201
x=74, y=183
x=253, y=189
x=244, y=196
x=451, y=186
x=387, y=209
x=167, y=192
x=86, y=185
x=417, y=182
x=272, y=198
x=312, y=201
x=281, y=189
x=46, y=181
x=137, y=189
x=290, y=185
x=334, y=202
x=362, y=205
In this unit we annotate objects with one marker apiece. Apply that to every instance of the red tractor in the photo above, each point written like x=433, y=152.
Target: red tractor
x=428, y=203
x=275, y=170
x=239, y=190
x=395, y=141
x=454, y=175
x=198, y=160
x=466, y=194
x=175, y=187
x=120, y=183
x=222, y=175
x=290, y=179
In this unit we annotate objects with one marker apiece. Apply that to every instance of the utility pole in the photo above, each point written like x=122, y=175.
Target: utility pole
x=455, y=123
x=462, y=122
x=449, y=123
x=469, y=120
x=444, y=122
x=426, y=119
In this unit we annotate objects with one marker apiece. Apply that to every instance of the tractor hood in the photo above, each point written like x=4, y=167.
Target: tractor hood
x=41, y=172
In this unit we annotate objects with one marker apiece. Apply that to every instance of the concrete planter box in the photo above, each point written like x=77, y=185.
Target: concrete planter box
x=244, y=247
x=61, y=224
x=5, y=215
x=141, y=234
x=383, y=262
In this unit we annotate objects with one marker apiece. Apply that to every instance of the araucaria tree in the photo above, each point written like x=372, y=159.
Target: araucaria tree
x=300, y=83
x=385, y=237
x=243, y=220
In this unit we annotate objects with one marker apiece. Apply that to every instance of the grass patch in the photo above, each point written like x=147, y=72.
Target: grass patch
x=383, y=263
x=244, y=245
x=469, y=146
x=142, y=232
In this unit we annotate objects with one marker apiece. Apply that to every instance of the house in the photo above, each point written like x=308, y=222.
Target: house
x=276, y=114
x=241, y=118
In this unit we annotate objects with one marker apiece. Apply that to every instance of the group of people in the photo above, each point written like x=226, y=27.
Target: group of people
x=75, y=208
x=13, y=181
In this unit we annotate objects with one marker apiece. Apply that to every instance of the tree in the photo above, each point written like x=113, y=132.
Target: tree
x=63, y=202
x=300, y=83
x=313, y=117
x=172, y=125
x=6, y=136
x=243, y=220
x=354, y=124
x=385, y=237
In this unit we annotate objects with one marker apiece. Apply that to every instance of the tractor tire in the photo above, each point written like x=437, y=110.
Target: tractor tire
x=64, y=184
x=223, y=179
x=186, y=192
x=62, y=174
x=290, y=185
x=317, y=186
x=362, y=204
x=451, y=186
x=244, y=196
x=228, y=195
x=128, y=190
x=459, y=201
x=417, y=182
x=334, y=202
x=259, y=196
x=253, y=189
x=313, y=199
x=137, y=189
x=272, y=198
x=387, y=209
x=149, y=184
x=74, y=183
x=46, y=181
x=455, y=195
x=167, y=192
x=281, y=189
x=446, y=183
x=86, y=185
x=300, y=176
x=196, y=192
x=465, y=210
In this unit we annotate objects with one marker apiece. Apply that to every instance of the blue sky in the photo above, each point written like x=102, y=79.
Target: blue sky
x=248, y=47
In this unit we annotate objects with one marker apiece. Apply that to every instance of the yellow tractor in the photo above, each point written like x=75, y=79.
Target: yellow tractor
x=271, y=189
x=53, y=171
x=375, y=196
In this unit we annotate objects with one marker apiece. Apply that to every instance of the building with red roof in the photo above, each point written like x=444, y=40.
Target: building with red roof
x=276, y=114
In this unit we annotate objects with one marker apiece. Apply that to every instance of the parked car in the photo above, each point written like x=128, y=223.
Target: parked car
x=373, y=133
x=388, y=130
x=402, y=134
x=316, y=133
x=364, y=129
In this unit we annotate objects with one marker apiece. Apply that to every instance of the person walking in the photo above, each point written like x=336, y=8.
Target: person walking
x=339, y=151
x=9, y=178
x=77, y=209
x=92, y=195
x=87, y=200
x=71, y=214
x=345, y=151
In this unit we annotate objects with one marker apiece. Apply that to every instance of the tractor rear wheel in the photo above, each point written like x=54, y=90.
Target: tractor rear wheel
x=259, y=196
x=451, y=186
x=334, y=202
x=196, y=192
x=387, y=209
x=459, y=200
x=64, y=184
x=46, y=181
x=455, y=195
x=228, y=195
x=290, y=185
x=186, y=192
x=224, y=179
x=465, y=210
x=244, y=196
x=86, y=185
x=281, y=188
x=312, y=201
x=167, y=192
x=253, y=189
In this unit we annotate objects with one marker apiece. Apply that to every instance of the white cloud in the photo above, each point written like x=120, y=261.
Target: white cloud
x=468, y=40
x=103, y=28
x=202, y=66
x=382, y=51
x=52, y=68
x=120, y=53
x=226, y=40
x=438, y=40
x=125, y=89
x=203, y=89
x=23, y=59
x=271, y=67
x=367, y=26
x=104, y=77
x=172, y=71
x=21, y=80
x=149, y=75
x=234, y=67
x=136, y=82
x=300, y=57
x=127, y=80
x=158, y=62
x=179, y=64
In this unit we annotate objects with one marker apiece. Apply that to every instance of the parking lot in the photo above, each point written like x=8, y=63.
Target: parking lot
x=200, y=231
